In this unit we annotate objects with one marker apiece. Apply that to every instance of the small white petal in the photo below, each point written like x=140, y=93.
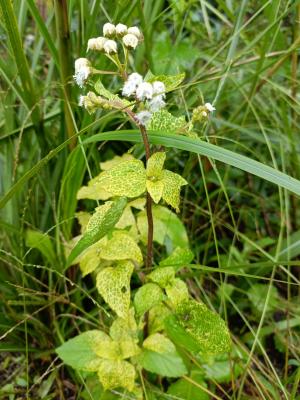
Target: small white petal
x=121, y=29
x=130, y=41
x=144, y=91
x=135, y=78
x=80, y=63
x=209, y=107
x=143, y=117
x=134, y=30
x=159, y=88
x=96, y=43
x=109, y=29
x=156, y=103
x=110, y=47
x=81, y=75
x=129, y=89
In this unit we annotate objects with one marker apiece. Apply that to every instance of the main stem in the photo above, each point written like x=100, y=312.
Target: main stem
x=148, y=203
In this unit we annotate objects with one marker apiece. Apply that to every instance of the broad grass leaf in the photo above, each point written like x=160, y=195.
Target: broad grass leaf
x=114, y=374
x=257, y=295
x=122, y=247
x=80, y=351
x=113, y=283
x=125, y=179
x=41, y=242
x=160, y=356
x=204, y=326
x=146, y=297
x=100, y=223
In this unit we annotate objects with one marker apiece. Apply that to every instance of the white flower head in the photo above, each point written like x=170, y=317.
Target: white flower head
x=159, y=88
x=130, y=41
x=80, y=63
x=129, y=88
x=144, y=91
x=135, y=78
x=156, y=103
x=96, y=43
x=81, y=101
x=143, y=117
x=204, y=114
x=110, y=47
x=209, y=107
x=134, y=30
x=109, y=30
x=121, y=30
x=81, y=75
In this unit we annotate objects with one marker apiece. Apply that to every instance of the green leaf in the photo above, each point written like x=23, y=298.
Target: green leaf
x=42, y=242
x=125, y=179
x=114, y=374
x=124, y=328
x=161, y=357
x=177, y=292
x=162, y=120
x=171, y=81
x=80, y=352
x=179, y=258
x=146, y=297
x=122, y=247
x=109, y=164
x=257, y=295
x=164, y=277
x=167, y=226
x=113, y=283
x=83, y=218
x=100, y=223
x=90, y=259
x=102, y=91
x=157, y=316
x=204, y=326
x=185, y=390
x=222, y=371
x=155, y=189
x=155, y=165
x=172, y=185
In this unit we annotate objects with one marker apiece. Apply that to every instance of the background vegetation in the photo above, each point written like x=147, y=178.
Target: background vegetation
x=244, y=231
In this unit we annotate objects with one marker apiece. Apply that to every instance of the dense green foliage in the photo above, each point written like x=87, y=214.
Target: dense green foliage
x=231, y=251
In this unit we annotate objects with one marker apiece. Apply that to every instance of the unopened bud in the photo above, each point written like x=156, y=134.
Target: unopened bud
x=109, y=30
x=130, y=41
x=121, y=30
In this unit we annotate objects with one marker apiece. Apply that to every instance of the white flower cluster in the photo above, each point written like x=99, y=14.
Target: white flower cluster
x=130, y=38
x=153, y=93
x=82, y=71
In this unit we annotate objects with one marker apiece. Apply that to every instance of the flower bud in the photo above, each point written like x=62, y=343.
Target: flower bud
x=121, y=30
x=159, y=88
x=143, y=117
x=134, y=30
x=110, y=47
x=96, y=43
x=209, y=107
x=109, y=30
x=135, y=78
x=81, y=62
x=156, y=103
x=144, y=91
x=130, y=41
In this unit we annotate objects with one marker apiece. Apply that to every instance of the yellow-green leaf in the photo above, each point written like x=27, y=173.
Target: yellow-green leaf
x=122, y=247
x=100, y=223
x=106, y=348
x=93, y=191
x=124, y=328
x=157, y=315
x=125, y=179
x=177, y=292
x=171, y=81
x=159, y=343
x=155, y=165
x=179, y=258
x=90, y=259
x=83, y=219
x=164, y=277
x=172, y=186
x=114, y=374
x=146, y=297
x=155, y=189
x=164, y=121
x=109, y=164
x=113, y=283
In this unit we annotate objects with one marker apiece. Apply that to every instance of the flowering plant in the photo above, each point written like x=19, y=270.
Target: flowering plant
x=154, y=320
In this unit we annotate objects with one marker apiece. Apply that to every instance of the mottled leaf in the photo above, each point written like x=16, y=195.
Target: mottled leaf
x=122, y=247
x=155, y=188
x=164, y=277
x=80, y=351
x=114, y=374
x=146, y=297
x=90, y=259
x=109, y=164
x=125, y=179
x=205, y=327
x=177, y=292
x=157, y=316
x=164, y=121
x=124, y=327
x=113, y=283
x=155, y=165
x=171, y=81
x=83, y=219
x=172, y=186
x=93, y=191
x=100, y=223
